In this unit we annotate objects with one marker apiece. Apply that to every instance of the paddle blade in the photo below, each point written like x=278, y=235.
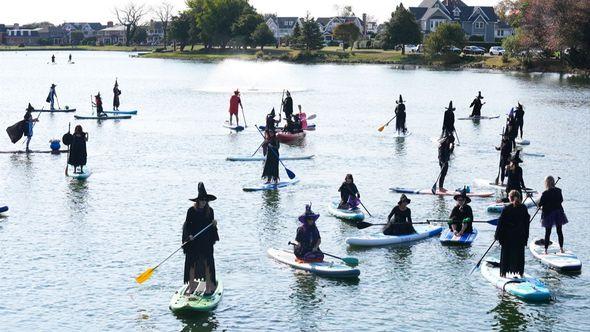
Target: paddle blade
x=350, y=261
x=363, y=224
x=433, y=189
x=493, y=222
x=381, y=128
x=474, y=268
x=144, y=276
x=311, y=117
x=290, y=173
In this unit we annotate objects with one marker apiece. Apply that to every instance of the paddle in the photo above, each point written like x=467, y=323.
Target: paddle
x=281, y=109
x=57, y=99
x=311, y=117
x=456, y=134
x=499, y=168
x=68, y=158
x=363, y=205
x=433, y=189
x=387, y=124
x=350, y=261
x=481, y=259
x=258, y=148
x=244, y=116
x=493, y=222
x=148, y=273
x=289, y=172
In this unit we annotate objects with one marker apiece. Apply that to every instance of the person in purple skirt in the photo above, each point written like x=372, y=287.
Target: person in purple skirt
x=553, y=214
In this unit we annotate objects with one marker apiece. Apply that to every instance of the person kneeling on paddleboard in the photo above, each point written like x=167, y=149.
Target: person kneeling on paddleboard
x=553, y=213
x=349, y=194
x=308, y=240
x=98, y=104
x=199, y=262
x=399, y=221
x=78, y=154
x=270, y=148
x=513, y=233
x=461, y=217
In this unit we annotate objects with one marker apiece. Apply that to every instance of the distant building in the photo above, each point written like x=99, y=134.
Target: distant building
x=480, y=21
x=16, y=36
x=112, y=35
x=89, y=29
x=54, y=36
x=2, y=33
x=155, y=33
x=282, y=27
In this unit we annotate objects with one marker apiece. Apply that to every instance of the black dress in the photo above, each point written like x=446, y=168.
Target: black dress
x=400, y=120
x=513, y=233
x=444, y=155
x=449, y=123
x=288, y=107
x=78, y=153
x=401, y=223
x=271, y=165
x=307, y=237
x=346, y=190
x=116, y=94
x=476, y=104
x=199, y=252
x=515, y=180
x=458, y=216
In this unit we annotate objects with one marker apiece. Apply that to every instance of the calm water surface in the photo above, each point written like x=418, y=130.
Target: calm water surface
x=69, y=250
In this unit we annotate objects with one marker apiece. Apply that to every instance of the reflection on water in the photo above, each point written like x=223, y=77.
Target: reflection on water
x=304, y=298
x=77, y=197
x=508, y=316
x=202, y=323
x=400, y=146
x=400, y=256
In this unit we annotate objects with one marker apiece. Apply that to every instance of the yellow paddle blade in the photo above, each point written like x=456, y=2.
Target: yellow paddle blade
x=144, y=276
x=381, y=128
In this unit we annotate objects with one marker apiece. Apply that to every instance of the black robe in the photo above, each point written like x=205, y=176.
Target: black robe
x=458, y=215
x=513, y=233
x=476, y=104
x=116, y=94
x=401, y=223
x=400, y=120
x=271, y=165
x=449, y=122
x=78, y=153
x=346, y=190
x=288, y=107
x=199, y=252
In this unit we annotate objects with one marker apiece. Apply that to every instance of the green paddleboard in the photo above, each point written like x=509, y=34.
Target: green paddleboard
x=190, y=304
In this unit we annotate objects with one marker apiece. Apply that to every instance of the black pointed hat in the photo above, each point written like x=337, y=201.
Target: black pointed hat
x=203, y=196
x=463, y=194
x=401, y=100
x=451, y=108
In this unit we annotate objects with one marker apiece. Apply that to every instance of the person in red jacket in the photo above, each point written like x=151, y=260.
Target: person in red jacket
x=234, y=102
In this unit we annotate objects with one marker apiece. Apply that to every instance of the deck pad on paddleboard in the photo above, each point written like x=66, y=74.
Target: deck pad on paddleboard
x=197, y=301
x=56, y=111
x=80, y=176
x=121, y=112
x=555, y=259
x=261, y=158
x=527, y=288
x=270, y=186
x=110, y=117
x=482, y=117
x=439, y=193
x=325, y=269
x=376, y=239
x=348, y=214
x=450, y=239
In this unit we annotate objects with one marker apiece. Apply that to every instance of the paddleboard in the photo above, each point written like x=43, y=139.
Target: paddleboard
x=522, y=142
x=448, y=238
x=527, y=288
x=555, y=259
x=402, y=135
x=122, y=112
x=482, y=117
x=111, y=117
x=488, y=183
x=499, y=207
x=56, y=111
x=270, y=186
x=80, y=176
x=233, y=127
x=379, y=239
x=30, y=151
x=439, y=193
x=330, y=269
x=532, y=154
x=182, y=304
x=3, y=209
x=354, y=215
x=262, y=158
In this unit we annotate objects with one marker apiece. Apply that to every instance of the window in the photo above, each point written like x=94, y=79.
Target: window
x=501, y=33
x=456, y=12
x=479, y=25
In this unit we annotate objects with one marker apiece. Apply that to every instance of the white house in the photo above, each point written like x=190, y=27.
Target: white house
x=89, y=29
x=282, y=27
x=112, y=35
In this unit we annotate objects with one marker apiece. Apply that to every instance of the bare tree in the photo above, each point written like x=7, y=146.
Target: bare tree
x=164, y=14
x=129, y=16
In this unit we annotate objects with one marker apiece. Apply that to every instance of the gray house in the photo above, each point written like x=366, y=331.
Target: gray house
x=480, y=21
x=282, y=27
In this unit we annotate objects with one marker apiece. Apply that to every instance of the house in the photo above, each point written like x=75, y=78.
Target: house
x=480, y=21
x=89, y=29
x=503, y=30
x=17, y=36
x=2, y=33
x=155, y=33
x=282, y=27
x=112, y=35
x=54, y=35
x=328, y=24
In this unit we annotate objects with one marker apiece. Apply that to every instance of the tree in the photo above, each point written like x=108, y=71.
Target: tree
x=129, y=16
x=164, y=14
x=295, y=39
x=311, y=37
x=348, y=32
x=446, y=34
x=216, y=18
x=244, y=27
x=402, y=28
x=179, y=29
x=262, y=36
x=76, y=37
x=140, y=35
x=345, y=11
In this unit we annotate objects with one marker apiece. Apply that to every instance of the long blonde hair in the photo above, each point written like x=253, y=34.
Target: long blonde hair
x=515, y=196
x=549, y=182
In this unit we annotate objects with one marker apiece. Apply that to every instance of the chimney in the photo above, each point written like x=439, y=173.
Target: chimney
x=109, y=24
x=364, y=24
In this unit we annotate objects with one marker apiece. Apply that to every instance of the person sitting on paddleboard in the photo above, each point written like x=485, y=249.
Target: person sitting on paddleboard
x=444, y=155
x=51, y=97
x=461, y=217
x=399, y=221
x=519, y=118
x=308, y=239
x=199, y=262
x=78, y=154
x=288, y=106
x=477, y=104
x=505, y=151
x=28, y=125
x=116, y=94
x=553, y=214
x=234, y=103
x=400, y=113
x=448, y=127
x=98, y=104
x=271, y=123
x=349, y=194
x=270, y=148
x=513, y=232
x=514, y=176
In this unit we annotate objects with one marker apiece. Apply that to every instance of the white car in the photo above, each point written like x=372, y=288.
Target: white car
x=497, y=50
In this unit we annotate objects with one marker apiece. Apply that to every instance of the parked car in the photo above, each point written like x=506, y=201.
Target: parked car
x=410, y=48
x=497, y=50
x=451, y=49
x=473, y=50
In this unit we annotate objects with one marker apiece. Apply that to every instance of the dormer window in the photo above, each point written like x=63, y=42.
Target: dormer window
x=456, y=12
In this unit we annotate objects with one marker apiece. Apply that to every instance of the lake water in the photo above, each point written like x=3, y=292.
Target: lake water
x=70, y=250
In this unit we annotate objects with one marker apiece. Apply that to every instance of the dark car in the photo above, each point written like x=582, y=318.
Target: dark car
x=451, y=49
x=473, y=50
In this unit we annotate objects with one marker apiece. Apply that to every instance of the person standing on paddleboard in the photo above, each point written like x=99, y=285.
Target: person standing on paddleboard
x=234, y=103
x=505, y=151
x=78, y=154
x=400, y=113
x=513, y=233
x=308, y=239
x=288, y=107
x=519, y=118
x=448, y=127
x=512, y=128
x=53, y=58
x=514, y=177
x=461, y=217
x=116, y=94
x=271, y=123
x=98, y=104
x=552, y=214
x=444, y=155
x=70, y=58
x=399, y=221
x=476, y=104
x=270, y=149
x=199, y=262
x=51, y=97
x=28, y=125
x=349, y=194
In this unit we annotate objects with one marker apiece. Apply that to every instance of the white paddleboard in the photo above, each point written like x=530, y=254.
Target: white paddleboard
x=555, y=259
